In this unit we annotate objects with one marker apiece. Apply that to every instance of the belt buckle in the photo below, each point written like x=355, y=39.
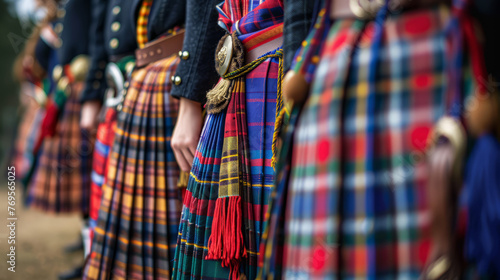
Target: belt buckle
x=115, y=81
x=365, y=9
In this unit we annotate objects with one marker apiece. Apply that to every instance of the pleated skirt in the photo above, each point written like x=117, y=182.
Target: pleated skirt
x=61, y=181
x=23, y=156
x=356, y=197
x=203, y=185
x=103, y=144
x=136, y=232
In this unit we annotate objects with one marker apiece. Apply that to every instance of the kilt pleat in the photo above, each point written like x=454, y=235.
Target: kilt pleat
x=103, y=145
x=62, y=179
x=136, y=232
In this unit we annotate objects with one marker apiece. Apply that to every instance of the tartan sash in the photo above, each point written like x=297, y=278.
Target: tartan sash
x=226, y=241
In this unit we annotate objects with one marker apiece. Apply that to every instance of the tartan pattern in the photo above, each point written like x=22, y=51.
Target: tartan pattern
x=250, y=17
x=103, y=144
x=23, y=157
x=356, y=198
x=136, y=232
x=271, y=250
x=202, y=191
x=142, y=22
x=62, y=179
x=203, y=186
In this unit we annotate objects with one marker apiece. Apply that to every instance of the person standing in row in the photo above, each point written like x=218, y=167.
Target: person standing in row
x=112, y=45
x=232, y=172
x=136, y=230
x=61, y=179
x=375, y=143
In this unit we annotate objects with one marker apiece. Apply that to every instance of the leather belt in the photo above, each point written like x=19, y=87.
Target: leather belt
x=115, y=58
x=159, y=49
x=367, y=9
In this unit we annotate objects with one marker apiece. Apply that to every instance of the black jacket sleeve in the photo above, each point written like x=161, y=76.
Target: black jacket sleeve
x=95, y=85
x=298, y=19
x=487, y=14
x=197, y=72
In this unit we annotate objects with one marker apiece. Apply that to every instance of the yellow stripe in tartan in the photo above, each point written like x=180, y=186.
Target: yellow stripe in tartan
x=142, y=23
x=121, y=132
x=230, y=168
x=126, y=241
x=217, y=182
x=206, y=248
x=200, y=181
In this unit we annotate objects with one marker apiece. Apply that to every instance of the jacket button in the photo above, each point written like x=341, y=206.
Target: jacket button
x=58, y=28
x=115, y=26
x=98, y=74
x=61, y=13
x=113, y=43
x=176, y=80
x=116, y=10
x=57, y=73
x=96, y=85
x=185, y=55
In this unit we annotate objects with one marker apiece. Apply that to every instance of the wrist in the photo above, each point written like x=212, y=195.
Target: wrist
x=189, y=107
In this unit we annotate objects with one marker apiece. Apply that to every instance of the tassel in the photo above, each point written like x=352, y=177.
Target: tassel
x=218, y=97
x=276, y=140
x=226, y=240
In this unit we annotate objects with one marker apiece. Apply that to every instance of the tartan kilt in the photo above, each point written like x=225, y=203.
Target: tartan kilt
x=104, y=141
x=23, y=156
x=62, y=178
x=203, y=184
x=356, y=205
x=136, y=232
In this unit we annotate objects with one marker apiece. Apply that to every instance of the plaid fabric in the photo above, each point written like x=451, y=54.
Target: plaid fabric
x=142, y=22
x=356, y=198
x=203, y=187
x=271, y=250
x=23, y=157
x=136, y=231
x=62, y=179
x=103, y=144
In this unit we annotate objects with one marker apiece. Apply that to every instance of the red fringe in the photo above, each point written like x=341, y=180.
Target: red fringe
x=226, y=240
x=49, y=124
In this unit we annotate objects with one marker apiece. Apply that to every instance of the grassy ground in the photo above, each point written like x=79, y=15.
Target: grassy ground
x=40, y=239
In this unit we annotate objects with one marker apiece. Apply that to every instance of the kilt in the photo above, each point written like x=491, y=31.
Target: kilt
x=203, y=185
x=103, y=144
x=136, y=232
x=356, y=204
x=23, y=156
x=62, y=178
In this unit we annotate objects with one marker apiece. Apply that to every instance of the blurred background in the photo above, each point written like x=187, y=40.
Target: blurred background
x=40, y=238
x=16, y=22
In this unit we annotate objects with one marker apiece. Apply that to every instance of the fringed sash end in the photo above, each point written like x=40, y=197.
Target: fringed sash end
x=226, y=239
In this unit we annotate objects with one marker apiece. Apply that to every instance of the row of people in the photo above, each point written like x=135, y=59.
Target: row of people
x=351, y=165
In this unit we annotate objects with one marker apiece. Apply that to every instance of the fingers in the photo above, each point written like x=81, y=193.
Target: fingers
x=181, y=160
x=184, y=150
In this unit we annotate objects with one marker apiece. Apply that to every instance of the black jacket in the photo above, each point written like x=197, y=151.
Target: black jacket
x=202, y=35
x=298, y=20
x=73, y=30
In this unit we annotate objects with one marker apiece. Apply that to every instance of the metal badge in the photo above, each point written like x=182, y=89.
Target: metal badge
x=80, y=66
x=225, y=55
x=115, y=85
x=365, y=9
